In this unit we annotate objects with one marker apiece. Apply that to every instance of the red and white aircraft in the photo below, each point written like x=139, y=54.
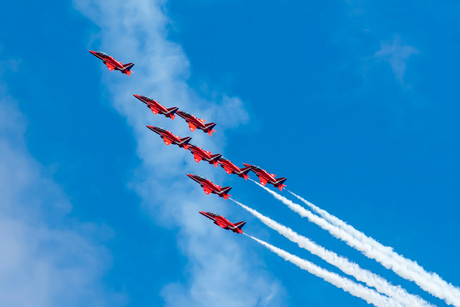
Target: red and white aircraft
x=170, y=138
x=210, y=187
x=157, y=107
x=221, y=221
x=112, y=63
x=196, y=123
x=200, y=154
x=265, y=177
x=231, y=168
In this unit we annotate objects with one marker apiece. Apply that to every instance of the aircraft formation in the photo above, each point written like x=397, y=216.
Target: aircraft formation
x=198, y=153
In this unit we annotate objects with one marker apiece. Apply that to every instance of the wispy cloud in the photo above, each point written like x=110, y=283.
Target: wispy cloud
x=135, y=31
x=397, y=53
x=47, y=259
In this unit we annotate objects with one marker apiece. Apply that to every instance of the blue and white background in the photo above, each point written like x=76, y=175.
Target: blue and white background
x=355, y=102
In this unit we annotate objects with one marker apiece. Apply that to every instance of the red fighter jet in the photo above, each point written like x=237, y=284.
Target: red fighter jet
x=156, y=107
x=196, y=123
x=221, y=221
x=112, y=63
x=265, y=177
x=231, y=168
x=170, y=138
x=210, y=187
x=200, y=154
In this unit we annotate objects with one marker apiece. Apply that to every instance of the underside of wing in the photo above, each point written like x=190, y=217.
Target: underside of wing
x=197, y=158
x=155, y=111
x=167, y=141
x=207, y=190
x=228, y=170
x=110, y=67
x=191, y=126
x=263, y=181
x=221, y=224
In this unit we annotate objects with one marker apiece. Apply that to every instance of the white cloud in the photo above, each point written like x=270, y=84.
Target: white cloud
x=397, y=54
x=218, y=271
x=46, y=258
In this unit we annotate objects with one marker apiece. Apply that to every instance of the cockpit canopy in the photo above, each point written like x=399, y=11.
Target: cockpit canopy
x=186, y=113
x=146, y=97
x=201, y=177
x=102, y=53
x=213, y=214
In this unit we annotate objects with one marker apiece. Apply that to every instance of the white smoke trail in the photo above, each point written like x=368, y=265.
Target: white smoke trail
x=425, y=283
x=369, y=278
x=424, y=280
x=355, y=289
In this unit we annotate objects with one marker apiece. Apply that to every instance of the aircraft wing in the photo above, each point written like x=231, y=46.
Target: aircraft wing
x=167, y=141
x=155, y=111
x=228, y=170
x=191, y=126
x=221, y=224
x=207, y=191
x=110, y=67
x=263, y=181
x=197, y=157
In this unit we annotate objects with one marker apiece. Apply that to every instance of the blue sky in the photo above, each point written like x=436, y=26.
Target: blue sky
x=354, y=102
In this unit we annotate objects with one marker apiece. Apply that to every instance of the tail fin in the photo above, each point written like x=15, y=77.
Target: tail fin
x=240, y=224
x=279, y=183
x=214, y=159
x=127, y=68
x=172, y=110
x=208, y=128
x=244, y=172
x=224, y=192
x=184, y=142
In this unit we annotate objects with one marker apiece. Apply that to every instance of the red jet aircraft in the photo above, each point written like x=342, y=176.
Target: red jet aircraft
x=196, y=123
x=170, y=138
x=112, y=63
x=200, y=154
x=265, y=177
x=210, y=187
x=231, y=168
x=221, y=221
x=156, y=107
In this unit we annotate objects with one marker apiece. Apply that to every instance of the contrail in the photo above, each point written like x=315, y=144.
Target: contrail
x=369, y=278
x=427, y=284
x=355, y=289
x=406, y=268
